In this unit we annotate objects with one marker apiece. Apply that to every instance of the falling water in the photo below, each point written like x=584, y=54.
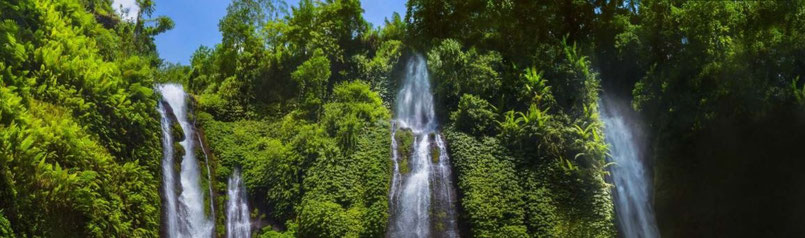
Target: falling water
x=422, y=200
x=238, y=224
x=171, y=218
x=185, y=216
x=632, y=202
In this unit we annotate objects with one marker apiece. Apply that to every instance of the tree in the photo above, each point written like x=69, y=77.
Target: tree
x=311, y=78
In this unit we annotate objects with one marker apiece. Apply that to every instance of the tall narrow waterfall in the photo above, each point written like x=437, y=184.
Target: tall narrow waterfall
x=421, y=197
x=632, y=204
x=169, y=205
x=238, y=224
x=185, y=216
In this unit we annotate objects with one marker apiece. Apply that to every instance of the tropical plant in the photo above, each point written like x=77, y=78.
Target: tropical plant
x=538, y=86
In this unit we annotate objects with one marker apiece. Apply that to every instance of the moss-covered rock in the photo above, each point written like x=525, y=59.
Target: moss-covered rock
x=404, y=168
x=405, y=146
x=435, y=152
x=176, y=131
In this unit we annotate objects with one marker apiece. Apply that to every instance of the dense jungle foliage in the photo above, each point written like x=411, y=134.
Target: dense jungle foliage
x=300, y=99
x=78, y=131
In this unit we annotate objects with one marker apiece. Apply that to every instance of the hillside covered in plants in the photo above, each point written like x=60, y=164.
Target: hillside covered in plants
x=456, y=118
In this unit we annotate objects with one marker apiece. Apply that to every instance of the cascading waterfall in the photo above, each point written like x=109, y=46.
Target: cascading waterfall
x=422, y=200
x=185, y=216
x=169, y=201
x=632, y=204
x=238, y=224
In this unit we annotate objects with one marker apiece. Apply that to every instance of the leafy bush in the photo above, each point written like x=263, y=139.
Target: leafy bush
x=220, y=108
x=474, y=115
x=456, y=72
x=358, y=183
x=267, y=163
x=358, y=99
x=304, y=169
x=378, y=70
x=576, y=85
x=45, y=189
x=500, y=195
x=311, y=79
x=79, y=135
x=5, y=226
x=548, y=155
x=325, y=219
x=491, y=195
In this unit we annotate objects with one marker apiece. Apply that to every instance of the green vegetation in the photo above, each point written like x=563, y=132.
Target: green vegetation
x=300, y=100
x=721, y=103
x=524, y=133
x=298, y=108
x=555, y=148
x=79, y=136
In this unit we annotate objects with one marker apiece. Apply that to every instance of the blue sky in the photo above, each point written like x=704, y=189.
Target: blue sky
x=197, y=22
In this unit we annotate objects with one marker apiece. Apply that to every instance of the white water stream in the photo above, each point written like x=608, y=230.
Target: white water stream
x=185, y=215
x=238, y=224
x=422, y=200
x=632, y=191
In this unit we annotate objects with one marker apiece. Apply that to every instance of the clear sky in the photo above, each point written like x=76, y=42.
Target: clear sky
x=197, y=22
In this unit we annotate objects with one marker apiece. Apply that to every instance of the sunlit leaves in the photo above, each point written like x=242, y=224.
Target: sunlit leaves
x=311, y=78
x=377, y=70
x=510, y=123
x=74, y=123
x=538, y=86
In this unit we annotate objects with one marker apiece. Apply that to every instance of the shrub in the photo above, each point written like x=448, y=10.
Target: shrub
x=456, y=72
x=474, y=115
x=492, y=197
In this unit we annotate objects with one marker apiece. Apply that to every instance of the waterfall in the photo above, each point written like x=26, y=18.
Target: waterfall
x=185, y=216
x=169, y=201
x=238, y=224
x=421, y=198
x=632, y=195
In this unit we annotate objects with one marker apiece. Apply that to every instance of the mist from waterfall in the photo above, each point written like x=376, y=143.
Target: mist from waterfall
x=422, y=200
x=632, y=192
x=185, y=215
x=238, y=224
